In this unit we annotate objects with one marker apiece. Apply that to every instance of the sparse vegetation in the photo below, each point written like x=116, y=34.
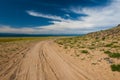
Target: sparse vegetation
x=77, y=55
x=115, y=67
x=103, y=38
x=84, y=51
x=115, y=55
x=112, y=55
x=91, y=48
x=10, y=45
x=107, y=52
x=109, y=45
x=65, y=47
x=107, y=41
x=12, y=39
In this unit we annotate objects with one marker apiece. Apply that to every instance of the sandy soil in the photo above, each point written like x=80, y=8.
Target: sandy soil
x=47, y=61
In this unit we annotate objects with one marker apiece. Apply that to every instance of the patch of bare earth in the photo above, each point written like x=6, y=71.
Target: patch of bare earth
x=46, y=60
x=42, y=60
x=95, y=63
x=97, y=53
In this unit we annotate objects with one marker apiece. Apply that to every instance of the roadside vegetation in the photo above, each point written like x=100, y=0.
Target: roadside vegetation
x=10, y=46
x=115, y=67
x=84, y=51
x=105, y=42
x=11, y=39
x=112, y=55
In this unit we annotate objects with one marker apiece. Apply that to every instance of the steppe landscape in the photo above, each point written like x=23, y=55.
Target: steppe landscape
x=94, y=56
x=59, y=40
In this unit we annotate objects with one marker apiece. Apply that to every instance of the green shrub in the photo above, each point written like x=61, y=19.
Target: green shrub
x=112, y=55
x=84, y=51
x=115, y=67
x=115, y=46
x=109, y=45
x=61, y=43
x=107, y=52
x=115, y=55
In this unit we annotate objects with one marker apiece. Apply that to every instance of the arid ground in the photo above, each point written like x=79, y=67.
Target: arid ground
x=42, y=60
x=46, y=59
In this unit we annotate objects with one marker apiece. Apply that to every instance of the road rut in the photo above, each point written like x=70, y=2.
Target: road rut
x=43, y=62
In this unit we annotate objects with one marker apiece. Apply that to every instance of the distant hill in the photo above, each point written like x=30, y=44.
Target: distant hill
x=110, y=33
x=98, y=48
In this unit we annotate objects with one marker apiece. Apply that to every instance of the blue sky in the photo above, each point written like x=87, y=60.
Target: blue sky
x=58, y=16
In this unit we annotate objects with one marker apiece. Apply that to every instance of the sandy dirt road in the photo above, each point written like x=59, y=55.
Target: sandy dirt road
x=43, y=61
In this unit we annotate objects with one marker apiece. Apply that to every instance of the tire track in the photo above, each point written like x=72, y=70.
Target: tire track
x=42, y=62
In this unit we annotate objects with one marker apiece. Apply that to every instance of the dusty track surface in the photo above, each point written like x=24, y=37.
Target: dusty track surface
x=43, y=61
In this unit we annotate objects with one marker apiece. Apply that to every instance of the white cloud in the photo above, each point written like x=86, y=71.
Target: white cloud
x=36, y=14
x=98, y=18
x=36, y=30
x=107, y=16
x=9, y=29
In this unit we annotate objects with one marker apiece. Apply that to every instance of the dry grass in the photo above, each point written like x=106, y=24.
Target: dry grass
x=11, y=39
x=101, y=42
x=11, y=46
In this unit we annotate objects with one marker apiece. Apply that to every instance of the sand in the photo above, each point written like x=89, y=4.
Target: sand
x=45, y=60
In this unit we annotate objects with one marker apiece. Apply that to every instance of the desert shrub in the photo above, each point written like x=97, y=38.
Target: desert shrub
x=65, y=47
x=77, y=55
x=91, y=47
x=61, y=43
x=71, y=46
x=93, y=44
x=115, y=55
x=103, y=38
x=112, y=55
x=96, y=37
x=109, y=45
x=115, y=67
x=107, y=52
x=115, y=42
x=115, y=46
x=84, y=51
